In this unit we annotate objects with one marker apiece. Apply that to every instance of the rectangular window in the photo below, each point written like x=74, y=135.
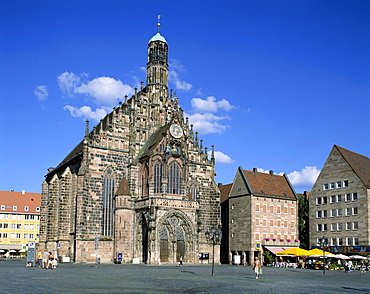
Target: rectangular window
x=31, y=236
x=333, y=241
x=25, y=236
x=6, y=216
x=355, y=226
x=333, y=213
x=292, y=224
x=339, y=212
x=13, y=226
x=347, y=197
x=278, y=209
x=340, y=241
x=12, y=236
x=345, y=184
x=257, y=207
x=14, y=216
x=332, y=185
x=339, y=185
x=325, y=200
x=257, y=237
x=5, y=235
x=339, y=227
x=292, y=211
x=354, y=197
x=318, y=201
x=318, y=214
x=285, y=209
x=26, y=226
x=324, y=213
x=264, y=222
x=355, y=210
x=349, y=241
x=27, y=216
x=271, y=209
x=278, y=223
x=285, y=224
x=271, y=222
x=32, y=227
x=6, y=226
x=348, y=211
x=326, y=187
x=319, y=227
x=257, y=222
x=324, y=227
x=1, y=225
x=19, y=226
x=333, y=227
x=348, y=226
x=355, y=241
x=332, y=199
x=264, y=208
x=339, y=198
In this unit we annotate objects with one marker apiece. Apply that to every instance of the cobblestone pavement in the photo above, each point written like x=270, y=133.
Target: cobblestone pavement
x=129, y=278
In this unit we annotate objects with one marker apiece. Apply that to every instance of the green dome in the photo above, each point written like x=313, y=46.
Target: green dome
x=158, y=37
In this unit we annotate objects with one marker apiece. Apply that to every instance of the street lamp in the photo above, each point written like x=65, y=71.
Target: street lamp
x=215, y=237
x=323, y=243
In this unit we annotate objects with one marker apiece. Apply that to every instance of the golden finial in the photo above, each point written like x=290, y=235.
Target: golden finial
x=159, y=23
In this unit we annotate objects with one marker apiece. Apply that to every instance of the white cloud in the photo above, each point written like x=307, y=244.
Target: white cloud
x=173, y=75
x=67, y=82
x=105, y=90
x=261, y=170
x=221, y=157
x=210, y=104
x=306, y=177
x=41, y=93
x=207, y=123
x=86, y=112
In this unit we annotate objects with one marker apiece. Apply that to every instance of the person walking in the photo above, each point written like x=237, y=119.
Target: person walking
x=39, y=257
x=257, y=267
x=180, y=263
x=45, y=259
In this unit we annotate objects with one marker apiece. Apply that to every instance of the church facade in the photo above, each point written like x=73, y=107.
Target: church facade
x=140, y=185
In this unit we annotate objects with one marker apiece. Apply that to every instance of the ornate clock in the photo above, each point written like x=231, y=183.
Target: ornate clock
x=176, y=131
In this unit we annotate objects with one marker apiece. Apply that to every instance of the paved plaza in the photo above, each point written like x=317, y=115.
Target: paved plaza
x=129, y=278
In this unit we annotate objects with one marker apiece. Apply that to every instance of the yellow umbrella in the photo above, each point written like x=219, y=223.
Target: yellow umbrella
x=318, y=251
x=294, y=251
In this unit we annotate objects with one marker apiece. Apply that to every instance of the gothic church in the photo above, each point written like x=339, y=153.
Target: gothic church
x=140, y=181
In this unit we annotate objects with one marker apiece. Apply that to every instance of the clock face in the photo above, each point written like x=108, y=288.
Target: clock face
x=176, y=131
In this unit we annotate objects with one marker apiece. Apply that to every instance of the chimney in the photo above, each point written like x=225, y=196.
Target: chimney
x=271, y=172
x=255, y=170
x=23, y=192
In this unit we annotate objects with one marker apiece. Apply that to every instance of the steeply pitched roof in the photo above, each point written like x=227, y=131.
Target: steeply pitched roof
x=20, y=200
x=359, y=163
x=225, y=192
x=263, y=184
x=123, y=188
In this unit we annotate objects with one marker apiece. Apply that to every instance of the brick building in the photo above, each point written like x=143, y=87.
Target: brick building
x=19, y=220
x=262, y=214
x=339, y=203
x=141, y=181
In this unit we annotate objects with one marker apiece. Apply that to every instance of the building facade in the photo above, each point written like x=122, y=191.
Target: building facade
x=339, y=203
x=262, y=214
x=19, y=220
x=140, y=181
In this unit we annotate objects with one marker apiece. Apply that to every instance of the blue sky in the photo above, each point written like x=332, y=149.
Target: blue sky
x=272, y=84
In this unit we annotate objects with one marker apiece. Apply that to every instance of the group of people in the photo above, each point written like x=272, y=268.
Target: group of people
x=47, y=260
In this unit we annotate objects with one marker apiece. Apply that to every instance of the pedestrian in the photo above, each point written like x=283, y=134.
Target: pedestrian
x=7, y=255
x=257, y=267
x=363, y=267
x=180, y=262
x=45, y=259
x=50, y=261
x=39, y=258
x=350, y=266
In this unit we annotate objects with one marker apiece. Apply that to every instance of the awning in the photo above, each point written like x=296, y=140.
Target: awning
x=275, y=250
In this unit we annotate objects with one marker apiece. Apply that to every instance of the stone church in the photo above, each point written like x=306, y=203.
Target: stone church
x=141, y=181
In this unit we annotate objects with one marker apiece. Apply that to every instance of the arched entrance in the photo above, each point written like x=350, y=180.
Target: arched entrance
x=175, y=238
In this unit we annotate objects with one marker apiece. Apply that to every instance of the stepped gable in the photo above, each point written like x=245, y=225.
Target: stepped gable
x=266, y=185
x=359, y=163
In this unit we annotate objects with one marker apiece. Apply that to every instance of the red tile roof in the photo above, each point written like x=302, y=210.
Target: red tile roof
x=20, y=200
x=263, y=184
x=225, y=192
x=359, y=163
